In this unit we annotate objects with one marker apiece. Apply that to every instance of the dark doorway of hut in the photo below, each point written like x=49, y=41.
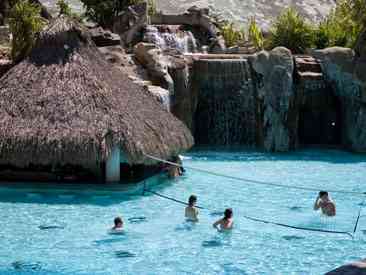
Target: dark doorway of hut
x=320, y=121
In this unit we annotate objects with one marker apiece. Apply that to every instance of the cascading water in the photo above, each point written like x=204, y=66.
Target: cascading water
x=226, y=109
x=168, y=37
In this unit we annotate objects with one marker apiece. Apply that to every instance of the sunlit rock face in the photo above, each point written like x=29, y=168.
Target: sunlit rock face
x=242, y=10
x=238, y=10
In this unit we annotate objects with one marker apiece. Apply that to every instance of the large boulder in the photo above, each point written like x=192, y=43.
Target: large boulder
x=345, y=72
x=356, y=268
x=276, y=91
x=104, y=38
x=152, y=58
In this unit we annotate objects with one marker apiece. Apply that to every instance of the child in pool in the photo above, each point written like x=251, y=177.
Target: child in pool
x=227, y=222
x=191, y=212
x=325, y=203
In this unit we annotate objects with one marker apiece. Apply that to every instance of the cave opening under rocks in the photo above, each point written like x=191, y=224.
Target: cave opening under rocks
x=320, y=120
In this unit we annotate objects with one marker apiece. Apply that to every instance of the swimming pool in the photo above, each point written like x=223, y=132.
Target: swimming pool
x=60, y=231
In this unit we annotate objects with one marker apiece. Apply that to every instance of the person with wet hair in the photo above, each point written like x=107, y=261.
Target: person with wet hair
x=191, y=212
x=118, y=224
x=325, y=203
x=225, y=223
x=175, y=170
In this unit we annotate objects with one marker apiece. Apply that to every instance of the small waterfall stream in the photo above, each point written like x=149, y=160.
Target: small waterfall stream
x=226, y=110
x=171, y=37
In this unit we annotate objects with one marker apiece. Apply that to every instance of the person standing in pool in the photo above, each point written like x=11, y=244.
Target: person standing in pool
x=191, y=212
x=227, y=222
x=177, y=170
x=325, y=203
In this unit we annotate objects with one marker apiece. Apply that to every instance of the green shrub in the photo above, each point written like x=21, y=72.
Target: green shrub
x=25, y=22
x=359, y=12
x=255, y=34
x=232, y=35
x=290, y=30
x=104, y=12
x=64, y=8
x=342, y=26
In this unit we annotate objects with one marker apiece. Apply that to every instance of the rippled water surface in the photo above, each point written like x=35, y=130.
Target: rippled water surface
x=58, y=231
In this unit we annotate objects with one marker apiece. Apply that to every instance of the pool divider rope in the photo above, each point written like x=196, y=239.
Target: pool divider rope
x=359, y=215
x=253, y=181
x=255, y=219
x=264, y=183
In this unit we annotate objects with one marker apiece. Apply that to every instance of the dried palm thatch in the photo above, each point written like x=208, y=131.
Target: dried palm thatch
x=65, y=104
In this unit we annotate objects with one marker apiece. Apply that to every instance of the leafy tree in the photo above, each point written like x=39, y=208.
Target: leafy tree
x=104, y=12
x=290, y=30
x=343, y=25
x=64, y=8
x=25, y=22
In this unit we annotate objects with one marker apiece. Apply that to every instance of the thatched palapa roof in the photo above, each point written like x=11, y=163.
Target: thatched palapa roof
x=65, y=104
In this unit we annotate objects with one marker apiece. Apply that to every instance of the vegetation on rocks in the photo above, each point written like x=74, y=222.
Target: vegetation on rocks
x=342, y=26
x=104, y=12
x=231, y=34
x=290, y=30
x=255, y=34
x=25, y=23
x=64, y=8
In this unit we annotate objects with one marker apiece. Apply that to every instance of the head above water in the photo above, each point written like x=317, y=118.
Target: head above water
x=228, y=214
x=118, y=221
x=323, y=194
x=192, y=200
x=177, y=160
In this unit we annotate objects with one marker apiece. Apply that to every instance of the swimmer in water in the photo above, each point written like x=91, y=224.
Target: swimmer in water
x=227, y=222
x=175, y=171
x=191, y=212
x=118, y=224
x=325, y=203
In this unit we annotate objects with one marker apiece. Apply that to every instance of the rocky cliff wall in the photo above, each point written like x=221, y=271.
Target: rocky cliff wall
x=346, y=72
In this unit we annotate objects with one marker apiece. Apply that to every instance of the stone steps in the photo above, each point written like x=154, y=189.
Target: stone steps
x=307, y=64
x=308, y=69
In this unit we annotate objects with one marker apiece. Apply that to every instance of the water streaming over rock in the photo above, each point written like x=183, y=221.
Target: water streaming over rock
x=226, y=110
x=171, y=37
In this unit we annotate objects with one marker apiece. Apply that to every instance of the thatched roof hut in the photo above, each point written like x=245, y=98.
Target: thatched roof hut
x=65, y=104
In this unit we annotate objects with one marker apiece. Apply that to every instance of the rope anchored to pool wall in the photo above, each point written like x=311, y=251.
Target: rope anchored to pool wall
x=350, y=234
x=253, y=181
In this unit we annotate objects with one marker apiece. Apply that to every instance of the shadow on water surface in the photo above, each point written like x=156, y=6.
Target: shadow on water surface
x=320, y=154
x=91, y=194
x=105, y=195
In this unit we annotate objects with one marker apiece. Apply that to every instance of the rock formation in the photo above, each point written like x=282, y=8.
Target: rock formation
x=355, y=268
x=277, y=93
x=345, y=72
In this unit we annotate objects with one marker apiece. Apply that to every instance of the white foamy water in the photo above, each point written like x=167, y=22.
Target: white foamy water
x=238, y=10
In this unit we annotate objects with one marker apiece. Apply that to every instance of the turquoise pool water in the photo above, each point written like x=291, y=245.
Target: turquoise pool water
x=57, y=231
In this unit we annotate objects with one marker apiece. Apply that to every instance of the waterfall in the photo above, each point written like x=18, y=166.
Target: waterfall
x=170, y=37
x=226, y=109
x=183, y=101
